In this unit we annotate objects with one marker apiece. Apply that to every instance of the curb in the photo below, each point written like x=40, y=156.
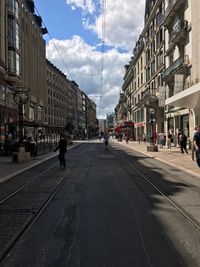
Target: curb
x=9, y=176
x=164, y=161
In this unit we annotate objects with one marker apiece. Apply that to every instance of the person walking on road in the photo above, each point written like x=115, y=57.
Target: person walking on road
x=62, y=146
x=183, y=142
x=106, y=138
x=196, y=142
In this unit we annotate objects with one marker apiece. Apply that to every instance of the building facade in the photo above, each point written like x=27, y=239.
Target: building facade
x=181, y=76
x=22, y=63
x=153, y=34
x=56, y=99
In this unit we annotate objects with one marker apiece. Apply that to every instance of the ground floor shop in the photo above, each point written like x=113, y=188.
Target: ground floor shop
x=186, y=117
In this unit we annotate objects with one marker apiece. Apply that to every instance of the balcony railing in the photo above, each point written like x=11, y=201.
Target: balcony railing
x=170, y=8
x=181, y=61
x=178, y=28
x=150, y=92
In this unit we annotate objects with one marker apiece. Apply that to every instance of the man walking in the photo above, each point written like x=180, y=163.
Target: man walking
x=196, y=142
x=183, y=142
x=62, y=146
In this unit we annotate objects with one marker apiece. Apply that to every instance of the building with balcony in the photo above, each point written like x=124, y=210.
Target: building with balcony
x=133, y=88
x=153, y=33
x=178, y=25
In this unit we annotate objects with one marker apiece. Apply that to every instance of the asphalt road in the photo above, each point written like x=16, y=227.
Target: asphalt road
x=108, y=214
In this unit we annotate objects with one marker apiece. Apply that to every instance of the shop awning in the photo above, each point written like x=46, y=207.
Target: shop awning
x=124, y=126
x=189, y=98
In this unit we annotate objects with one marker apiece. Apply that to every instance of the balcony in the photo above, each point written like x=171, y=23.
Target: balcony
x=178, y=33
x=170, y=11
x=179, y=66
x=149, y=97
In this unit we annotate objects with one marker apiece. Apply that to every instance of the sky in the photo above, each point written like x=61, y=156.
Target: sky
x=91, y=41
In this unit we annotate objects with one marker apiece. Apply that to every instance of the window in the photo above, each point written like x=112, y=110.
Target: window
x=11, y=61
x=13, y=33
x=17, y=64
x=31, y=113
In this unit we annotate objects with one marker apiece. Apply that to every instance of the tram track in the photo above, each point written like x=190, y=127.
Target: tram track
x=163, y=193
x=42, y=172
x=22, y=207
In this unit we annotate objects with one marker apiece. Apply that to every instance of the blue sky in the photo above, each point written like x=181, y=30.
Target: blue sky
x=63, y=22
x=75, y=28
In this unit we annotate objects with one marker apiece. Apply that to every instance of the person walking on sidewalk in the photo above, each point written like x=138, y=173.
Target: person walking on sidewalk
x=62, y=146
x=161, y=138
x=183, y=142
x=169, y=140
x=193, y=147
x=196, y=142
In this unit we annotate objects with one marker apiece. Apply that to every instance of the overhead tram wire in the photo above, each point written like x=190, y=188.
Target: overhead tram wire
x=55, y=47
x=103, y=28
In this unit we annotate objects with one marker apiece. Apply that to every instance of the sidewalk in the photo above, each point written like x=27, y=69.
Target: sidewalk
x=172, y=157
x=8, y=168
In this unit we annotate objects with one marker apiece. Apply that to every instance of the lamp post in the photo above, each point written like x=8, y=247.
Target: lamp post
x=152, y=146
x=151, y=121
x=20, y=97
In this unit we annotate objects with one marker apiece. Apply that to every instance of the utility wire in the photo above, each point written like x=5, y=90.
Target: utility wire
x=55, y=46
x=103, y=29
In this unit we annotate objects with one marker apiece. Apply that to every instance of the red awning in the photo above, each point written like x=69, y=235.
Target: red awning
x=126, y=124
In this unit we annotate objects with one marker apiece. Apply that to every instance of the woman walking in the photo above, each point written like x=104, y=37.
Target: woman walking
x=62, y=146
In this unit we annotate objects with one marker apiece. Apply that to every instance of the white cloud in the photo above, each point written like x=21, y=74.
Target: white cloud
x=123, y=24
x=123, y=20
x=85, y=5
x=85, y=66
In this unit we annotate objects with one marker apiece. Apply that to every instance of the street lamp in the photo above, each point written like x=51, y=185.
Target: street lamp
x=151, y=121
x=20, y=97
x=152, y=146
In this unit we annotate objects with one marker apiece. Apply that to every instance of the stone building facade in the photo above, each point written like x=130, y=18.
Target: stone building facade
x=22, y=63
x=171, y=80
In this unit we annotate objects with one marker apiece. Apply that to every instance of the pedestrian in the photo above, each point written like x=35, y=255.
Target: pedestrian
x=62, y=146
x=196, y=143
x=183, y=142
x=169, y=140
x=161, y=138
x=127, y=138
x=193, y=147
x=106, y=137
x=144, y=138
x=139, y=138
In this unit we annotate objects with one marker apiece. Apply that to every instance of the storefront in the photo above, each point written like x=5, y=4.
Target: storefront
x=126, y=128
x=189, y=117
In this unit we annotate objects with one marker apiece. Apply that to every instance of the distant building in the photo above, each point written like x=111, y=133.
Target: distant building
x=110, y=121
x=102, y=125
x=56, y=99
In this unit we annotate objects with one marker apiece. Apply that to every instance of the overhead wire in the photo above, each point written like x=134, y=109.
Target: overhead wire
x=103, y=29
x=55, y=46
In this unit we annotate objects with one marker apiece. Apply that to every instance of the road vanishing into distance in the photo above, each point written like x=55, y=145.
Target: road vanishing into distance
x=110, y=207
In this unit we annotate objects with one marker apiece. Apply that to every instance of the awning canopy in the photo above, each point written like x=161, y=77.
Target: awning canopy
x=189, y=98
x=123, y=126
